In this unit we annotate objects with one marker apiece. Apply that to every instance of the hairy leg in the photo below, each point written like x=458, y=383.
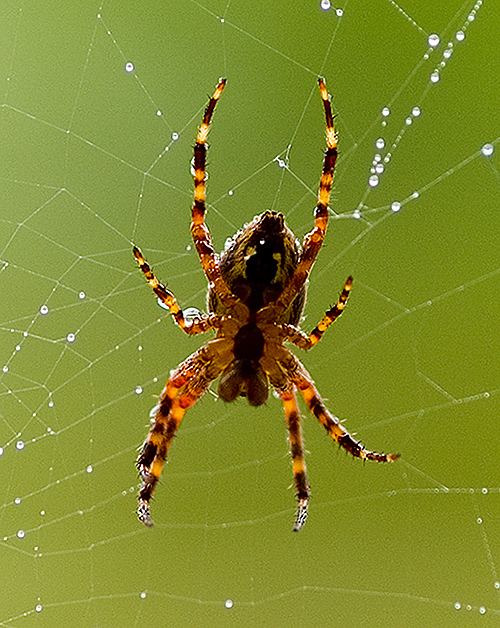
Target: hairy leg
x=186, y=385
x=292, y=417
x=313, y=240
x=304, y=341
x=199, y=325
x=303, y=381
x=199, y=230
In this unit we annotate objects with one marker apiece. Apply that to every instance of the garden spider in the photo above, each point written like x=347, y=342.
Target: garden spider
x=256, y=295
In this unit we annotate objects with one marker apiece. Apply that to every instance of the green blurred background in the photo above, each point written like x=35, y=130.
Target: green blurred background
x=95, y=158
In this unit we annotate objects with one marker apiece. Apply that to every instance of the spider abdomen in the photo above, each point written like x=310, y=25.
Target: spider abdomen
x=258, y=263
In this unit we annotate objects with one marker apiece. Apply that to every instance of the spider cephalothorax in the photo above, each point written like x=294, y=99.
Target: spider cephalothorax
x=257, y=291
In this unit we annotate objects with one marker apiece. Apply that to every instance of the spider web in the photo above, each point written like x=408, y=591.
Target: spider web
x=99, y=111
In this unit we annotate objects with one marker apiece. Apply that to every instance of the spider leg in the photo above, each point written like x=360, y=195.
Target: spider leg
x=292, y=417
x=199, y=325
x=199, y=230
x=186, y=385
x=286, y=393
x=303, y=381
x=154, y=452
x=304, y=341
x=313, y=240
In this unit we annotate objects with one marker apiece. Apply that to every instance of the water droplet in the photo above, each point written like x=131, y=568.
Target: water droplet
x=458, y=606
x=488, y=150
x=158, y=113
x=433, y=40
x=191, y=312
x=153, y=411
x=416, y=111
x=162, y=305
x=386, y=112
x=482, y=610
x=373, y=181
x=17, y=501
x=434, y=77
x=19, y=445
x=339, y=12
x=281, y=163
x=379, y=168
x=409, y=120
x=229, y=603
x=143, y=594
x=460, y=35
x=51, y=403
x=447, y=53
x=5, y=369
x=90, y=468
x=485, y=490
x=471, y=17
x=129, y=67
x=325, y=4
x=70, y=337
x=138, y=390
x=20, y=534
x=175, y=136
x=44, y=310
x=380, y=143
x=1, y=451
x=479, y=520
x=82, y=295
x=230, y=193
x=395, y=206
x=38, y=608
x=497, y=585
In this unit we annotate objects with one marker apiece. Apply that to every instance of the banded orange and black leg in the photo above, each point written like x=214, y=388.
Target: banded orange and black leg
x=292, y=417
x=199, y=325
x=199, y=230
x=187, y=384
x=302, y=380
x=304, y=341
x=313, y=240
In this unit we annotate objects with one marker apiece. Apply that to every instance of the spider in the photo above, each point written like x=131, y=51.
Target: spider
x=256, y=296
